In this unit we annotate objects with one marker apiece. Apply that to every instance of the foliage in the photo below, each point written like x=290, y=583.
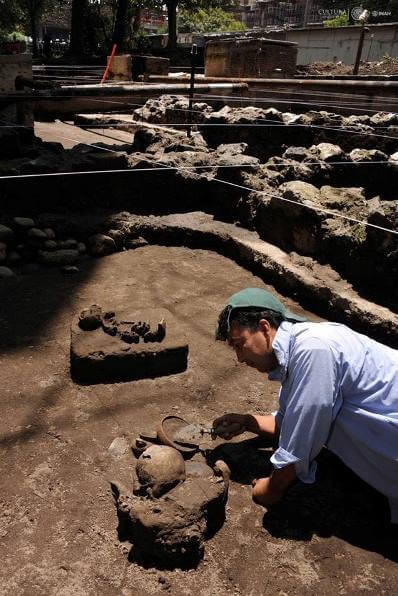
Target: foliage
x=207, y=20
x=101, y=20
x=342, y=20
x=11, y=17
x=21, y=16
x=190, y=5
x=14, y=36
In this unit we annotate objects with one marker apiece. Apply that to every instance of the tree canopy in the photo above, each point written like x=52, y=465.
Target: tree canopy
x=95, y=24
x=189, y=5
x=207, y=20
x=341, y=20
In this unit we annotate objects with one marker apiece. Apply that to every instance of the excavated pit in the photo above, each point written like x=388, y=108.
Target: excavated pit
x=58, y=436
x=280, y=176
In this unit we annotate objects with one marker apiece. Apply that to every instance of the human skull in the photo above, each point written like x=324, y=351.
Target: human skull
x=159, y=469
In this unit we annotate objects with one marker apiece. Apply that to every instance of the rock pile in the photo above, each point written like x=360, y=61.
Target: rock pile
x=169, y=109
x=255, y=126
x=48, y=158
x=264, y=180
x=25, y=244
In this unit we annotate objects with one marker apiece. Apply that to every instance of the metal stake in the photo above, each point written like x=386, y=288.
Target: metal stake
x=194, y=53
x=363, y=19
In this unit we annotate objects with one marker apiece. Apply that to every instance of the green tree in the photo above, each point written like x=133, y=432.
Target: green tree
x=32, y=11
x=119, y=31
x=207, y=20
x=128, y=19
x=11, y=17
x=342, y=20
x=78, y=26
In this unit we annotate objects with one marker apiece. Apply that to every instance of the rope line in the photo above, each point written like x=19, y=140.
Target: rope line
x=313, y=207
x=205, y=167
x=254, y=100
x=269, y=124
x=246, y=188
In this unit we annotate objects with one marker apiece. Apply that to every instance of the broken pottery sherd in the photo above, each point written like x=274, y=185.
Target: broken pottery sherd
x=90, y=318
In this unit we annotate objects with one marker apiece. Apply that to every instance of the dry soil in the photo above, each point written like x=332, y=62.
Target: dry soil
x=57, y=518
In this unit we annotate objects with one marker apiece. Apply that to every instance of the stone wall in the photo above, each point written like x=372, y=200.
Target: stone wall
x=341, y=43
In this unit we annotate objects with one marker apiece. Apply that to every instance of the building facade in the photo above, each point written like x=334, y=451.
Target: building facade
x=273, y=13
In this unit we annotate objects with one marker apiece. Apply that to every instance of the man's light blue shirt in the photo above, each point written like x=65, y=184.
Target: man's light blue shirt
x=339, y=389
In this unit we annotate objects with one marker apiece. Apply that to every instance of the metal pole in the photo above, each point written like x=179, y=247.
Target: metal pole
x=359, y=50
x=194, y=53
x=306, y=12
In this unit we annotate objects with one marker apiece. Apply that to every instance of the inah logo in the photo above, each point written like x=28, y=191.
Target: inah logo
x=356, y=12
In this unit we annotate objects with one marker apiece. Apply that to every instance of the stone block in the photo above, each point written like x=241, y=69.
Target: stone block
x=6, y=273
x=24, y=223
x=58, y=257
x=6, y=233
x=155, y=65
x=120, y=69
x=111, y=354
x=250, y=58
x=149, y=65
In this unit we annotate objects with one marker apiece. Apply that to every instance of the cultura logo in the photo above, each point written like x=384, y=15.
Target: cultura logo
x=356, y=12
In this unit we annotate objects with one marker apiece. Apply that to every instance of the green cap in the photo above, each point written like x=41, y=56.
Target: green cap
x=256, y=298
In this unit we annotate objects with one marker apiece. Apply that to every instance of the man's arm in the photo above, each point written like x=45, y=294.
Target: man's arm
x=267, y=491
x=231, y=425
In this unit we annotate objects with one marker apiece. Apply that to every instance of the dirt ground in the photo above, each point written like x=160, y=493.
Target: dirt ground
x=58, y=524
x=385, y=66
x=69, y=136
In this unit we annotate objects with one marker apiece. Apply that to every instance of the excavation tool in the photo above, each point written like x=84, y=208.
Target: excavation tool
x=209, y=431
x=183, y=436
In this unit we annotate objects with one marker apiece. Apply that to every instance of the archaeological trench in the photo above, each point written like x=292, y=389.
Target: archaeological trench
x=283, y=195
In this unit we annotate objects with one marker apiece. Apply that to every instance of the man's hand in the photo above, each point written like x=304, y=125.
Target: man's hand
x=267, y=491
x=263, y=494
x=230, y=425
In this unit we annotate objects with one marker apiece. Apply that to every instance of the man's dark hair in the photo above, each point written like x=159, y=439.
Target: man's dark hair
x=246, y=317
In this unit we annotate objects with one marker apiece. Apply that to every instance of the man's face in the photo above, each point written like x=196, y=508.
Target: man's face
x=254, y=348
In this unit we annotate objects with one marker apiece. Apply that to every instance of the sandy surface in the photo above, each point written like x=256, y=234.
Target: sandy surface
x=387, y=65
x=57, y=518
x=69, y=135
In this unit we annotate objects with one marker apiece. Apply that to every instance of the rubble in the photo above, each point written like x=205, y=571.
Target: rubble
x=100, y=245
x=248, y=175
x=171, y=109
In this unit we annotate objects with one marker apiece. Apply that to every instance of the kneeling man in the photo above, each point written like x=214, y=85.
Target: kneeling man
x=339, y=389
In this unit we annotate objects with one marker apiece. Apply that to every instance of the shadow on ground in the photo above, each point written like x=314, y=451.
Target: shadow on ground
x=339, y=504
